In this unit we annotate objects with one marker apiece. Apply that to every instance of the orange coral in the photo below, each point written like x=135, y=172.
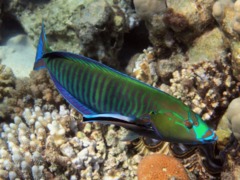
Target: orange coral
x=160, y=166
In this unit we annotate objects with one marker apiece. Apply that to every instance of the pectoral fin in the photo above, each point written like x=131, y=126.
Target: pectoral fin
x=130, y=136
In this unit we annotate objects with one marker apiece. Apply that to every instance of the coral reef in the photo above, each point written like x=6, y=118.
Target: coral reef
x=188, y=18
x=142, y=67
x=26, y=92
x=229, y=138
x=209, y=46
x=233, y=116
x=147, y=9
x=0, y=21
x=42, y=137
x=46, y=144
x=227, y=14
x=207, y=87
x=159, y=166
x=174, y=21
x=95, y=27
x=7, y=81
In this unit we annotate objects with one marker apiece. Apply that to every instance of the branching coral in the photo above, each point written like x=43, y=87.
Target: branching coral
x=38, y=144
x=38, y=89
x=206, y=87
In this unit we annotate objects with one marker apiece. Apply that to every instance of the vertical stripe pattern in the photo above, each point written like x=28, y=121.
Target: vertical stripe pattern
x=103, y=89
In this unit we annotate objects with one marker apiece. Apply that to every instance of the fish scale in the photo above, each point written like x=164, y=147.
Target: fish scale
x=114, y=90
x=102, y=94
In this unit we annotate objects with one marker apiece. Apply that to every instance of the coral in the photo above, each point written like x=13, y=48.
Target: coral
x=18, y=94
x=209, y=46
x=177, y=21
x=7, y=81
x=230, y=123
x=227, y=14
x=143, y=68
x=1, y=21
x=158, y=166
x=233, y=116
x=206, y=86
x=147, y=9
x=231, y=175
x=235, y=48
x=46, y=144
x=95, y=28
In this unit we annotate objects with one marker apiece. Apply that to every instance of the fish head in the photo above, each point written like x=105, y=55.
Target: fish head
x=173, y=127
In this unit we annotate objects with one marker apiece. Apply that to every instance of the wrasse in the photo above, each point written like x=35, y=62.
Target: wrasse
x=102, y=94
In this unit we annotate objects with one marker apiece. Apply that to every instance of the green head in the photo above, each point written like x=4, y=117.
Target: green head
x=188, y=129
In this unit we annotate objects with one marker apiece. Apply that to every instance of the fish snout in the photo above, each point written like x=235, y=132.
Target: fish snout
x=209, y=136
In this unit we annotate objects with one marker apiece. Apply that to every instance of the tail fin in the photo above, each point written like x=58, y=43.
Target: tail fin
x=42, y=49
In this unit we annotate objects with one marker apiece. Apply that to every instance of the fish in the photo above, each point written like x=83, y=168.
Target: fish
x=104, y=95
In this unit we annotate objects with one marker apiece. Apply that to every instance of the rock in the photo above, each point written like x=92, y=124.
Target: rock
x=210, y=46
x=19, y=55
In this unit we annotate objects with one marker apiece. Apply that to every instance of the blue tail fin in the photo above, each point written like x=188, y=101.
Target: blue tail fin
x=42, y=49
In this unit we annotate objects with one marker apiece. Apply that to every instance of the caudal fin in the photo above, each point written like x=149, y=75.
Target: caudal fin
x=42, y=49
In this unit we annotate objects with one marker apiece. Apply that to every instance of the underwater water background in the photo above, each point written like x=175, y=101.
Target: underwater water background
x=188, y=49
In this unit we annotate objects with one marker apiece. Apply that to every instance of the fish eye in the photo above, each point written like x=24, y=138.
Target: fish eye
x=152, y=113
x=188, y=124
x=196, y=123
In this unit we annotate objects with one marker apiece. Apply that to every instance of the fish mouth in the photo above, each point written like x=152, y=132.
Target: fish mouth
x=209, y=136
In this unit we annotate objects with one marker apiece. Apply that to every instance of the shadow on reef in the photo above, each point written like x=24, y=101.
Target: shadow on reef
x=133, y=44
x=212, y=162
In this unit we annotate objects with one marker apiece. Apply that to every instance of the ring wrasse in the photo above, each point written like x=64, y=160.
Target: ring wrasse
x=102, y=94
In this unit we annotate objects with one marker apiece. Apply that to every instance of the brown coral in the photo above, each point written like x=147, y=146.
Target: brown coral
x=7, y=81
x=159, y=166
